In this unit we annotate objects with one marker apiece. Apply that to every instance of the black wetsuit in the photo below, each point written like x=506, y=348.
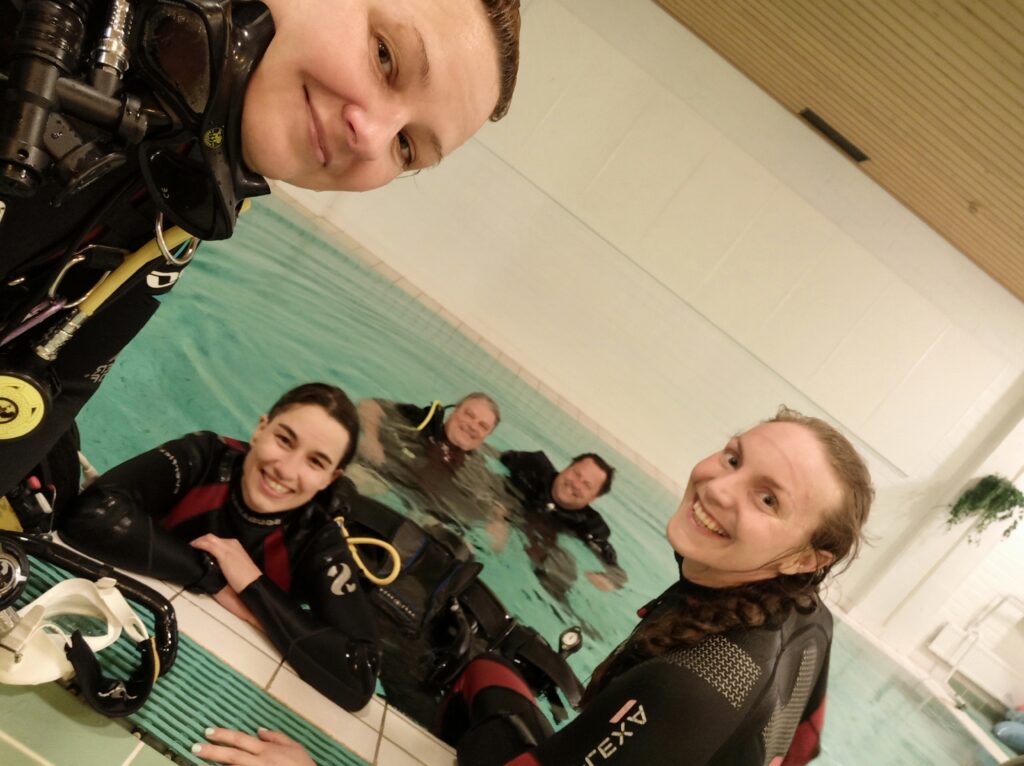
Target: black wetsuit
x=743, y=698
x=142, y=514
x=37, y=235
x=31, y=230
x=533, y=474
x=429, y=421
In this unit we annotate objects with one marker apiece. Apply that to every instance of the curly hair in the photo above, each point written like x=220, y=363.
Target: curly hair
x=766, y=603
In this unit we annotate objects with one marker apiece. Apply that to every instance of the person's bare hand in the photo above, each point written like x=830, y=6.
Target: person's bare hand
x=235, y=563
x=601, y=581
x=268, y=748
x=497, y=529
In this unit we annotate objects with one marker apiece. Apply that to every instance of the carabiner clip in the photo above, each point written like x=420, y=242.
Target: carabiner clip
x=76, y=259
x=174, y=260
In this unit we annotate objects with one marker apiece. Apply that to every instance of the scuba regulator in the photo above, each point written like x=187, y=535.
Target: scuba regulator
x=160, y=88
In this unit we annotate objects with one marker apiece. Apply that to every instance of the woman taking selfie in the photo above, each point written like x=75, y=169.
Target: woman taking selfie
x=120, y=151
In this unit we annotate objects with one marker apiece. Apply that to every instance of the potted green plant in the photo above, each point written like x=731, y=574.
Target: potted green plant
x=991, y=499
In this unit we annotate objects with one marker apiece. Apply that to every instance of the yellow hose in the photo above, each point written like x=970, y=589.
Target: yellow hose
x=396, y=559
x=148, y=252
x=156, y=658
x=430, y=414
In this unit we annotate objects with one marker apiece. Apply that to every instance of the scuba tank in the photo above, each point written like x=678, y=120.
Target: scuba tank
x=438, y=615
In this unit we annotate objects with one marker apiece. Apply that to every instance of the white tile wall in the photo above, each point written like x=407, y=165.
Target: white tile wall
x=896, y=328
x=709, y=213
x=842, y=283
x=927, y=403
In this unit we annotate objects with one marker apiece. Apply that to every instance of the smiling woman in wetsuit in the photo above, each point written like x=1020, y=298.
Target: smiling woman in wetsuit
x=209, y=100
x=727, y=667
x=253, y=526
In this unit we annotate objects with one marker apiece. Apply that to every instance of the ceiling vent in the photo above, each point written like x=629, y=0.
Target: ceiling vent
x=833, y=135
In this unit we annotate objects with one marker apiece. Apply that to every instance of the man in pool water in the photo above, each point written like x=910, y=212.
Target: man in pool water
x=449, y=439
x=555, y=501
x=432, y=462
x=321, y=94
x=565, y=496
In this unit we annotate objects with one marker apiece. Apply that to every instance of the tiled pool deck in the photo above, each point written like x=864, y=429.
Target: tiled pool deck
x=46, y=725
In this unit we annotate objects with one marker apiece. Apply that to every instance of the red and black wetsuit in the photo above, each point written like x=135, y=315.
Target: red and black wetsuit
x=142, y=514
x=745, y=698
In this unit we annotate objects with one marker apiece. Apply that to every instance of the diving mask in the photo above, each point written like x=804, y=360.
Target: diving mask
x=56, y=637
x=35, y=649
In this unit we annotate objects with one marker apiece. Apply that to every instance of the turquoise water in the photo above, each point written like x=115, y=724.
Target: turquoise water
x=877, y=713
x=277, y=306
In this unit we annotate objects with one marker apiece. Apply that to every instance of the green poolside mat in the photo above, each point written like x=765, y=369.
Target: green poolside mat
x=199, y=691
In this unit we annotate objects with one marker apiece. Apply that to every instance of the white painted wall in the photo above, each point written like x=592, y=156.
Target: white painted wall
x=674, y=253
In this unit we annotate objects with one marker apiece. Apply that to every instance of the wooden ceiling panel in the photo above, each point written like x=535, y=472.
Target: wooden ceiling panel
x=932, y=91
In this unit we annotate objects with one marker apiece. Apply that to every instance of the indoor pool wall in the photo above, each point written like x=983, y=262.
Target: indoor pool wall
x=224, y=347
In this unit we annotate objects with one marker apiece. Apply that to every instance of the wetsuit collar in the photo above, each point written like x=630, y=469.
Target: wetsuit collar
x=250, y=516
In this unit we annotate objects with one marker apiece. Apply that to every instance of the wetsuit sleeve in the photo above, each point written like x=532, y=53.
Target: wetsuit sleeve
x=333, y=645
x=593, y=526
x=607, y=552
x=114, y=519
x=654, y=713
x=806, y=743
x=594, y=531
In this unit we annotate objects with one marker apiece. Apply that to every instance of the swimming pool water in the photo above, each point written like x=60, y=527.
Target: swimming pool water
x=878, y=713
x=278, y=305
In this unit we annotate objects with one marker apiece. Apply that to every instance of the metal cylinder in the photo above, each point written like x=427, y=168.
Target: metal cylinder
x=51, y=347
x=47, y=44
x=110, y=56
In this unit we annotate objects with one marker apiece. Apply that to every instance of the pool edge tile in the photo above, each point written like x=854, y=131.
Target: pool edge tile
x=358, y=731
x=258, y=639
x=224, y=643
x=408, y=735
